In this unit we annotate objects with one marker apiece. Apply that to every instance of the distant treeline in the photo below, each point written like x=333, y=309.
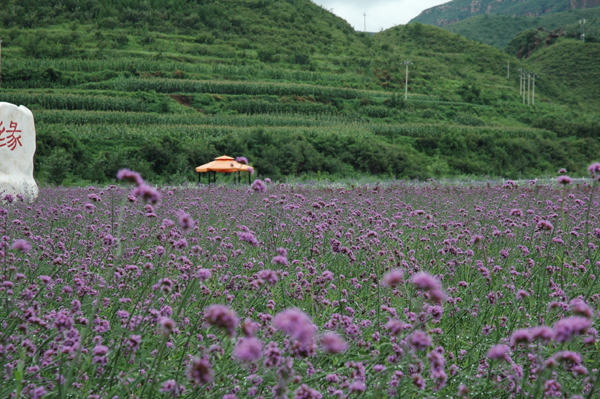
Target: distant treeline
x=63, y=156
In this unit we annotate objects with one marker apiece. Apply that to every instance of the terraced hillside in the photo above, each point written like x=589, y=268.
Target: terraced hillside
x=162, y=97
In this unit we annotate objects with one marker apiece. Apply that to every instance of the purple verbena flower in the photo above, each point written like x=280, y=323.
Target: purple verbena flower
x=248, y=349
x=580, y=308
x=249, y=238
x=306, y=392
x=296, y=324
x=357, y=386
x=393, y=278
x=279, y=260
x=21, y=245
x=170, y=387
x=499, y=352
x=427, y=282
x=200, y=371
x=566, y=328
x=203, y=274
x=130, y=176
x=544, y=225
x=522, y=336
x=419, y=340
x=594, y=169
x=269, y=276
x=147, y=193
x=564, y=180
x=185, y=221
x=221, y=316
x=333, y=343
x=259, y=186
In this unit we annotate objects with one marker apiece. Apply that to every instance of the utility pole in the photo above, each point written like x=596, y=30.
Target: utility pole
x=523, y=79
x=508, y=70
x=528, y=87
x=407, y=63
x=520, y=81
x=533, y=94
x=365, y=15
x=582, y=24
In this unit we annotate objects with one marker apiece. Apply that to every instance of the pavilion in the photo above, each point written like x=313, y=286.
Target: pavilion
x=224, y=164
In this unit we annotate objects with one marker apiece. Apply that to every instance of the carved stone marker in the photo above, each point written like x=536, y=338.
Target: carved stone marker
x=17, y=147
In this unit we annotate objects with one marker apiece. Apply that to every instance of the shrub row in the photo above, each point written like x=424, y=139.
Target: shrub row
x=137, y=118
x=217, y=87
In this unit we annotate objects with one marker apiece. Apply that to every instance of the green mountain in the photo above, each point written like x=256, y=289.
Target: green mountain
x=498, y=30
x=458, y=10
x=161, y=86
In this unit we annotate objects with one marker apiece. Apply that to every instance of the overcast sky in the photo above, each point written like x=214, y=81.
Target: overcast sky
x=381, y=14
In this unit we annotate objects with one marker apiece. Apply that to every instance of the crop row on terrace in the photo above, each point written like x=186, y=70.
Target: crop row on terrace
x=218, y=126
x=252, y=107
x=141, y=102
x=220, y=69
x=437, y=130
x=223, y=87
x=69, y=101
x=196, y=132
x=137, y=118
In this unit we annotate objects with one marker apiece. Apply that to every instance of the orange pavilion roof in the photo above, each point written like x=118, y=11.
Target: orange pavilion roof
x=223, y=164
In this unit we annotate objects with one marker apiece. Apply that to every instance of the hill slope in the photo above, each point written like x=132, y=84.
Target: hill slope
x=273, y=30
x=568, y=62
x=458, y=10
x=286, y=84
x=498, y=30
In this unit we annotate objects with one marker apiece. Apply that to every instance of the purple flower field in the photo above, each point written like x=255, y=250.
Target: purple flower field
x=408, y=291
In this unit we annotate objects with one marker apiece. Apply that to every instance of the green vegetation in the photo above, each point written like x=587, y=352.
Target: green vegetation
x=498, y=30
x=568, y=61
x=161, y=87
x=459, y=10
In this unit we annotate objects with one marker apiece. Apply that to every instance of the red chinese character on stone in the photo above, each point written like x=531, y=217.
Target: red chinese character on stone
x=11, y=140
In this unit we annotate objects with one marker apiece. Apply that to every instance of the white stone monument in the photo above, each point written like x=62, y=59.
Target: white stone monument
x=17, y=147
